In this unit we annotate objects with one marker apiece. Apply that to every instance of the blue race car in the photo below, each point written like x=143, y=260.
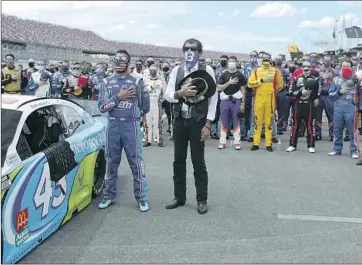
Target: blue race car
x=53, y=163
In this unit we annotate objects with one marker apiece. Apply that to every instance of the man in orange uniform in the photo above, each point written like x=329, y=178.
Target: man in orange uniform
x=265, y=81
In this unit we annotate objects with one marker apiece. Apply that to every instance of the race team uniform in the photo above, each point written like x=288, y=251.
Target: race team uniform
x=11, y=86
x=152, y=120
x=303, y=109
x=345, y=114
x=264, y=101
x=124, y=132
x=326, y=76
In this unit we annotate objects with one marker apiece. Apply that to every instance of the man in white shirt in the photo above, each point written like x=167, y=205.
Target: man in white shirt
x=190, y=124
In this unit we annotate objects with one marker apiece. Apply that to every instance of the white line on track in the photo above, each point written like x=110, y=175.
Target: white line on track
x=320, y=218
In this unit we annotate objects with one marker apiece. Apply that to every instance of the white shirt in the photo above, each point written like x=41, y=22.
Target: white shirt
x=237, y=95
x=170, y=90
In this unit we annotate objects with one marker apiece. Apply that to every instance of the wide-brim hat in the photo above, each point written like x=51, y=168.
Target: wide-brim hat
x=204, y=83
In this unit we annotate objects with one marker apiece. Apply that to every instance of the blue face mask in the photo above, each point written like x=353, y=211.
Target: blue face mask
x=191, y=58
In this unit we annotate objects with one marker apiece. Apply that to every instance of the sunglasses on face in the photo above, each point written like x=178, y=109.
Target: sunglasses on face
x=194, y=49
x=76, y=68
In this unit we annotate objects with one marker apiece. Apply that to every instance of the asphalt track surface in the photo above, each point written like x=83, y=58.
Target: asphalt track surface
x=248, y=194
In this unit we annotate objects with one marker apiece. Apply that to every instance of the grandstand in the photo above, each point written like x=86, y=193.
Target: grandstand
x=34, y=39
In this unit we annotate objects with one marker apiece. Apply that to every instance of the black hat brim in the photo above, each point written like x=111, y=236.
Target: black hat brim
x=205, y=76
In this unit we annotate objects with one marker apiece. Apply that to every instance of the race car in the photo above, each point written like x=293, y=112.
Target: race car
x=53, y=163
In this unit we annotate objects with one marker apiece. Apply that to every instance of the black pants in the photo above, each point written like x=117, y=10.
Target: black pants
x=185, y=131
x=303, y=111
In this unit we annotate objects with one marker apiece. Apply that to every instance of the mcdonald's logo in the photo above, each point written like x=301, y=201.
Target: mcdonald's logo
x=21, y=220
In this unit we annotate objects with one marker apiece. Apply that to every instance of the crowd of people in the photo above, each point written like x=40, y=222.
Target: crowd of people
x=17, y=30
x=202, y=97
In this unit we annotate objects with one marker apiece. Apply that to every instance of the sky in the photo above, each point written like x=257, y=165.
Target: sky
x=235, y=26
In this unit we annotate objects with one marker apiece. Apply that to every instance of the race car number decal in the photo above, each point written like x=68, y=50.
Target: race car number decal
x=47, y=196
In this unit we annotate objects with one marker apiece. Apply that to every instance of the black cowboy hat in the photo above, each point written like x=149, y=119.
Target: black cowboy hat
x=204, y=83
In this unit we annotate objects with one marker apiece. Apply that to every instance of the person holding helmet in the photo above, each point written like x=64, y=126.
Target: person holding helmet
x=126, y=100
x=306, y=93
x=266, y=81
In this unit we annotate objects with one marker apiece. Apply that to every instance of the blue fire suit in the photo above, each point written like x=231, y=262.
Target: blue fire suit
x=247, y=121
x=124, y=131
x=95, y=81
x=345, y=114
x=56, y=82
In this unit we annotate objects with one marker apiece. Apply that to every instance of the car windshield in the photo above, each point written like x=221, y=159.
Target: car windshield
x=9, y=123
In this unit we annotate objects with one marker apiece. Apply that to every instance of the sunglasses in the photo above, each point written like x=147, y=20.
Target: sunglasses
x=194, y=49
x=76, y=68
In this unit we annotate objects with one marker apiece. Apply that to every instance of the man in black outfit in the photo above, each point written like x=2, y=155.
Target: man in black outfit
x=191, y=123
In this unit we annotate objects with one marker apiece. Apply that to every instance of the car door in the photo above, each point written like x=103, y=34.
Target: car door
x=35, y=204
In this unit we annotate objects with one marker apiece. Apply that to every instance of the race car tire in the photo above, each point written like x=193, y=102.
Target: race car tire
x=99, y=174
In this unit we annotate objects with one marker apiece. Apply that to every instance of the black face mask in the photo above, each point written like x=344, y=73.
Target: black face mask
x=149, y=64
x=165, y=69
x=31, y=64
x=223, y=63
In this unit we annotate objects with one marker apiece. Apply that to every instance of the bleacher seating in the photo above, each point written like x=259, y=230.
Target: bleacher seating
x=36, y=32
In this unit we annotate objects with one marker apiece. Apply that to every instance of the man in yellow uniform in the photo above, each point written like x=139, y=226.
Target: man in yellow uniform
x=265, y=81
x=11, y=76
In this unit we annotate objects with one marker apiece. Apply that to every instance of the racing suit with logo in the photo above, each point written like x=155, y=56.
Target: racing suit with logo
x=326, y=76
x=283, y=102
x=344, y=93
x=266, y=82
x=357, y=70
x=96, y=79
x=58, y=84
x=303, y=109
x=124, y=132
x=11, y=80
x=152, y=120
x=247, y=122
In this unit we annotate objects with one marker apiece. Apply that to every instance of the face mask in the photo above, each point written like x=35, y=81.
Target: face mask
x=76, y=72
x=153, y=73
x=266, y=63
x=232, y=66
x=41, y=68
x=347, y=73
x=327, y=63
x=253, y=59
x=191, y=59
x=10, y=65
x=64, y=68
x=165, y=69
x=99, y=71
x=149, y=63
x=52, y=70
x=31, y=65
x=223, y=63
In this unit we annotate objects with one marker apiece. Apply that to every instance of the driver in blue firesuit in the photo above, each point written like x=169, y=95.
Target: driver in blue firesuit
x=126, y=100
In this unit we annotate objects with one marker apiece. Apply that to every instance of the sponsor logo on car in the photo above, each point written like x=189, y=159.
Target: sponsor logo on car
x=22, y=236
x=5, y=183
x=21, y=220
